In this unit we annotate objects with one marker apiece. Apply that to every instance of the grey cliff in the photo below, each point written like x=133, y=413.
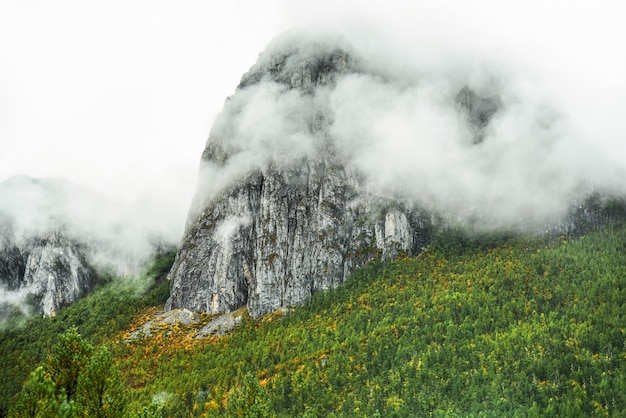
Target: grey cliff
x=49, y=271
x=286, y=229
x=42, y=264
x=282, y=211
x=53, y=235
x=478, y=111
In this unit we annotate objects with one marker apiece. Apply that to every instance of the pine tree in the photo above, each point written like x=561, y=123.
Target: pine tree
x=251, y=400
x=68, y=359
x=39, y=399
x=100, y=390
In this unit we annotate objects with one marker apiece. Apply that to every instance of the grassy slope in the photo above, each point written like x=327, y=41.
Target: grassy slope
x=471, y=327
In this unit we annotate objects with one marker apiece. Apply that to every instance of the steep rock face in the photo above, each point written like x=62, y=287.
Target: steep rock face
x=292, y=226
x=49, y=271
x=55, y=273
x=280, y=235
x=594, y=211
x=478, y=111
x=41, y=264
x=12, y=261
x=55, y=235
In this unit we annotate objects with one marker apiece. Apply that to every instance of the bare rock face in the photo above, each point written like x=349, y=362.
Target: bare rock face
x=478, y=111
x=49, y=271
x=56, y=235
x=12, y=261
x=269, y=235
x=41, y=265
x=56, y=273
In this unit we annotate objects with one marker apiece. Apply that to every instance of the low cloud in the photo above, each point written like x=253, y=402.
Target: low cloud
x=115, y=235
x=396, y=121
x=10, y=302
x=413, y=140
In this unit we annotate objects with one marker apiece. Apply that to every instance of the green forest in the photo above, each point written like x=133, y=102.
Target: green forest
x=484, y=325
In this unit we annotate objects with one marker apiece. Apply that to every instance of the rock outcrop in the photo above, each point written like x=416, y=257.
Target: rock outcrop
x=270, y=235
x=163, y=322
x=41, y=265
x=12, y=260
x=478, y=111
x=48, y=271
x=54, y=234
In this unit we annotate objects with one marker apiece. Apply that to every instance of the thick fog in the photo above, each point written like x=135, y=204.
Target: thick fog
x=120, y=98
x=393, y=116
x=115, y=235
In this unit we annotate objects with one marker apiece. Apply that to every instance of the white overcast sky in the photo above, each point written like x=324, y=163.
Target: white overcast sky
x=120, y=95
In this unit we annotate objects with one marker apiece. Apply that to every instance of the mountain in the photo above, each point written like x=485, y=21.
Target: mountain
x=41, y=262
x=294, y=194
x=274, y=233
x=49, y=271
x=57, y=238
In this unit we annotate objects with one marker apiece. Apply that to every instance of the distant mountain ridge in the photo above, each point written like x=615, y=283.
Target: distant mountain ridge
x=49, y=271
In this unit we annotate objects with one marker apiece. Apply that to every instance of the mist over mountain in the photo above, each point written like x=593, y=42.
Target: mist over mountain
x=336, y=147
x=54, y=235
x=331, y=151
x=399, y=123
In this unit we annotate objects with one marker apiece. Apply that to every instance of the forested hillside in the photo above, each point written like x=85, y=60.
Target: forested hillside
x=475, y=326
x=26, y=342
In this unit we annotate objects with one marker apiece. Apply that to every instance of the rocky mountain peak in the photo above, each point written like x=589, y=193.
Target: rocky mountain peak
x=286, y=206
x=279, y=213
x=306, y=67
x=48, y=270
x=41, y=264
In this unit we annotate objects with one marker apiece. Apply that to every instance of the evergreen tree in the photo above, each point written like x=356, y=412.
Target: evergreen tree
x=250, y=400
x=38, y=399
x=68, y=359
x=100, y=390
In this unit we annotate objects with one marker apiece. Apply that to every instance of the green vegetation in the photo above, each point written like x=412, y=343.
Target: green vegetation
x=475, y=326
x=98, y=318
x=76, y=381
